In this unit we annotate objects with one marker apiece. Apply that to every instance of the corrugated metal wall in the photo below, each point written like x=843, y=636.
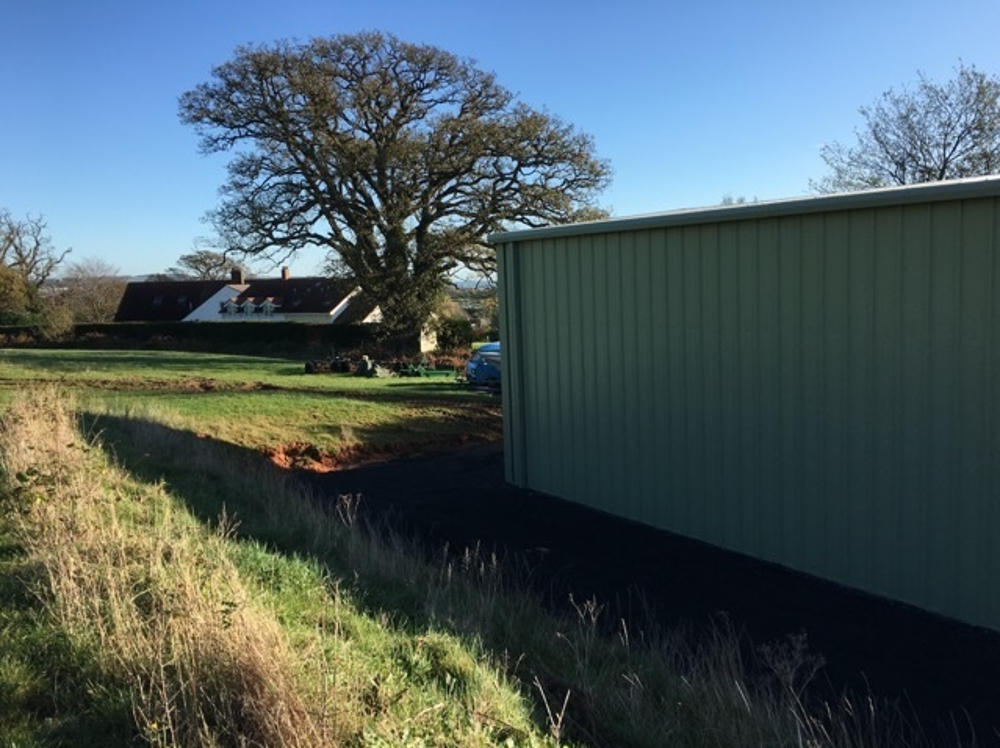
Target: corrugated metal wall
x=818, y=390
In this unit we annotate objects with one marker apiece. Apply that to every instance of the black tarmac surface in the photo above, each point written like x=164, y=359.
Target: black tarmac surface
x=944, y=672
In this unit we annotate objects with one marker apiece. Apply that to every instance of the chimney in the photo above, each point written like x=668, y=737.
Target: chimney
x=285, y=273
x=236, y=275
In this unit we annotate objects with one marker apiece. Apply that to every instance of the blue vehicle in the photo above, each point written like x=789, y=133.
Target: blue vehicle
x=483, y=369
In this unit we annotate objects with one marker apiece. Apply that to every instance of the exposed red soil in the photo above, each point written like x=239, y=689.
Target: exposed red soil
x=305, y=456
x=302, y=456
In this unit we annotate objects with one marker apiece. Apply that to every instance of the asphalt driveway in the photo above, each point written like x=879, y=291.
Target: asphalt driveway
x=948, y=672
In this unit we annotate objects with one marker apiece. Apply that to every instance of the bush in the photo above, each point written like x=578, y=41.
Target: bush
x=253, y=338
x=16, y=297
x=56, y=322
x=455, y=359
x=453, y=333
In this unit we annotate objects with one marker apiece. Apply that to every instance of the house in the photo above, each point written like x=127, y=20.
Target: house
x=310, y=300
x=313, y=300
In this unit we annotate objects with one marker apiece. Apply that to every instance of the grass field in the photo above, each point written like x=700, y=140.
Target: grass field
x=163, y=591
x=313, y=421
x=196, y=370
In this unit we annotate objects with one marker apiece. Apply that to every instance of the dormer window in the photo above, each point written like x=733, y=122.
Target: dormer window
x=230, y=307
x=267, y=307
x=248, y=307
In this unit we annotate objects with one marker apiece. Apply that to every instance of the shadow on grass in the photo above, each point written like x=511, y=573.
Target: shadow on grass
x=415, y=388
x=389, y=576
x=244, y=484
x=397, y=393
x=412, y=391
x=154, y=452
x=154, y=361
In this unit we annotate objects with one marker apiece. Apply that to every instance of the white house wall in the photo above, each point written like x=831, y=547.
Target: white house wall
x=209, y=311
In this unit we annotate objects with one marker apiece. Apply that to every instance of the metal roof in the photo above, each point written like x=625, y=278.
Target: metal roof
x=956, y=189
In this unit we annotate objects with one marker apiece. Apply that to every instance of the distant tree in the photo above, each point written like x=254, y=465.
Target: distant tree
x=728, y=199
x=17, y=298
x=23, y=304
x=932, y=132
x=53, y=320
x=490, y=324
x=90, y=291
x=27, y=249
x=453, y=333
x=204, y=264
x=397, y=158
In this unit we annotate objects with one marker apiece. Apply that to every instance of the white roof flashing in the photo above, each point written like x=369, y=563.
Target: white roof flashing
x=955, y=189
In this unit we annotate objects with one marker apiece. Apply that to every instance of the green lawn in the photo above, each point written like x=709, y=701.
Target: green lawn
x=158, y=587
x=264, y=403
x=199, y=371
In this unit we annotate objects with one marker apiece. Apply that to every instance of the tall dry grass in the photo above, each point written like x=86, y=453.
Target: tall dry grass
x=163, y=604
x=637, y=685
x=152, y=595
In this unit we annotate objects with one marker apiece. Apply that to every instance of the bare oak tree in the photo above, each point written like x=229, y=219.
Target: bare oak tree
x=933, y=132
x=89, y=290
x=397, y=158
x=26, y=249
x=204, y=264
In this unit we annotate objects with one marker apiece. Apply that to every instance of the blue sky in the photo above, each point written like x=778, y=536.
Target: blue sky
x=688, y=101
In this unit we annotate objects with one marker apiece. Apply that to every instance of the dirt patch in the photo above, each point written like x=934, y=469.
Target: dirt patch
x=310, y=458
x=205, y=384
x=301, y=456
x=186, y=384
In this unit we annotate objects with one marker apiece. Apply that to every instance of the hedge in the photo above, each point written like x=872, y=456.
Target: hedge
x=257, y=337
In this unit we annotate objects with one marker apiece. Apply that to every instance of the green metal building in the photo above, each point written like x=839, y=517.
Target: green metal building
x=812, y=382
